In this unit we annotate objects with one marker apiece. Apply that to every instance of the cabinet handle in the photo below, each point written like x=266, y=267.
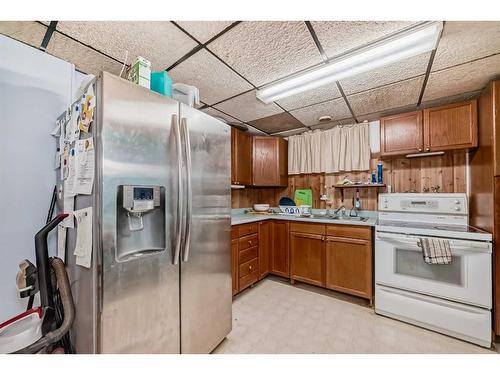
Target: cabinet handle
x=250, y=268
x=427, y=149
x=419, y=150
x=249, y=243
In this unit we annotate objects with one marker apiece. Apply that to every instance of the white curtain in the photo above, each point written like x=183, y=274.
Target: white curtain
x=342, y=148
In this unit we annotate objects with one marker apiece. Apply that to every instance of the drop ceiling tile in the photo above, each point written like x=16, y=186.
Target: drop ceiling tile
x=215, y=80
x=85, y=59
x=465, y=41
x=346, y=121
x=247, y=107
x=464, y=78
x=336, y=108
x=264, y=51
x=310, y=97
x=162, y=43
x=216, y=113
x=384, y=98
x=398, y=71
x=337, y=37
x=204, y=30
x=277, y=123
x=28, y=32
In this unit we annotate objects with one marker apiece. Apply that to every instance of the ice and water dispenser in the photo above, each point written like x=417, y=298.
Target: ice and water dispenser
x=140, y=221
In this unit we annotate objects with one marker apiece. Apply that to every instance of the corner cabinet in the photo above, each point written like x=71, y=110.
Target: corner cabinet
x=280, y=259
x=241, y=157
x=270, y=161
x=443, y=128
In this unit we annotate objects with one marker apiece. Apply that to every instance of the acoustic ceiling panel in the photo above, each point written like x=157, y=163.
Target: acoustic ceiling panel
x=264, y=51
x=215, y=80
x=398, y=71
x=204, y=30
x=28, y=32
x=465, y=41
x=216, y=113
x=464, y=78
x=162, y=43
x=336, y=108
x=247, y=107
x=395, y=95
x=85, y=59
x=337, y=37
x=310, y=97
x=277, y=123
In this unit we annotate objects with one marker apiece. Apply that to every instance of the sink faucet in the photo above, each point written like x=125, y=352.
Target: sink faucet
x=335, y=212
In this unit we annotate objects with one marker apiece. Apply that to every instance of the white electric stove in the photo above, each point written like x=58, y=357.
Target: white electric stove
x=454, y=299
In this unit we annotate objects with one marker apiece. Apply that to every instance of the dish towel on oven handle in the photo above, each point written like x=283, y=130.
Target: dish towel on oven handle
x=435, y=250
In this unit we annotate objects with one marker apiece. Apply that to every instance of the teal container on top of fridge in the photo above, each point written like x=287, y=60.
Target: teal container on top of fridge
x=161, y=83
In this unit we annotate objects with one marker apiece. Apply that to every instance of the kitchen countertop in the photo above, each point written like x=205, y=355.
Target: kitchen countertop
x=238, y=216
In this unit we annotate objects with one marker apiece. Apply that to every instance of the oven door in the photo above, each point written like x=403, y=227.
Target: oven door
x=399, y=263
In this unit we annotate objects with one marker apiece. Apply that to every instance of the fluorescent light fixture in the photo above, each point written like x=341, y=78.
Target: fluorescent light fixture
x=403, y=45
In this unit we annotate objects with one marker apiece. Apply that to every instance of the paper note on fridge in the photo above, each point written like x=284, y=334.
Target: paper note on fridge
x=61, y=242
x=83, y=246
x=81, y=168
x=68, y=207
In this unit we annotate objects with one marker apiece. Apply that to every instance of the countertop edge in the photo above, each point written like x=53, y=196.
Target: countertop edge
x=239, y=219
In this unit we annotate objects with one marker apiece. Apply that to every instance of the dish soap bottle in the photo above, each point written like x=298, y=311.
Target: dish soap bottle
x=380, y=179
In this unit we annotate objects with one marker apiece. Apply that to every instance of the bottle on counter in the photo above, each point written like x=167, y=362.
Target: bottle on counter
x=374, y=177
x=380, y=177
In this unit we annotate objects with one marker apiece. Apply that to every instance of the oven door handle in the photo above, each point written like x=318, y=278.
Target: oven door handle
x=465, y=246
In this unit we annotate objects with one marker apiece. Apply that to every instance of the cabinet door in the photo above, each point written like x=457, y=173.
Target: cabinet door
x=451, y=126
x=234, y=265
x=401, y=134
x=307, y=255
x=241, y=157
x=279, y=250
x=349, y=266
x=265, y=161
x=265, y=243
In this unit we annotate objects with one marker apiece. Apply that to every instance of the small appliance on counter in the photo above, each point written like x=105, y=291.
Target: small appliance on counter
x=455, y=298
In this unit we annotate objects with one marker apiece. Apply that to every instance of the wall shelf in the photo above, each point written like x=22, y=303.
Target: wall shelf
x=355, y=186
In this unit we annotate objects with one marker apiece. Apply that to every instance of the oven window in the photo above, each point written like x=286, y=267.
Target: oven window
x=411, y=263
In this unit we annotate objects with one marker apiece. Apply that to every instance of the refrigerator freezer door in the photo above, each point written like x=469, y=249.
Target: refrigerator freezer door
x=206, y=295
x=139, y=304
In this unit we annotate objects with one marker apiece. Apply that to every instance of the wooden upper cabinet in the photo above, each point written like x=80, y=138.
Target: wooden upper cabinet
x=270, y=161
x=241, y=157
x=451, y=126
x=401, y=134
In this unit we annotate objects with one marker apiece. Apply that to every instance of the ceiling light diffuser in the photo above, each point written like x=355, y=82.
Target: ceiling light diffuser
x=412, y=42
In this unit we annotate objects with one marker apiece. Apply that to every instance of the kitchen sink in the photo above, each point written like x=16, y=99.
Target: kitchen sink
x=339, y=218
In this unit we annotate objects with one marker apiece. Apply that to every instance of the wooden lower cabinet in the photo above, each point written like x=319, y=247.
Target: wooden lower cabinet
x=280, y=259
x=265, y=247
x=307, y=255
x=349, y=266
x=234, y=265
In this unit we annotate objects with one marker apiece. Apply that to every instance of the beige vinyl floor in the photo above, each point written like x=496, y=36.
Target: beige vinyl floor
x=276, y=317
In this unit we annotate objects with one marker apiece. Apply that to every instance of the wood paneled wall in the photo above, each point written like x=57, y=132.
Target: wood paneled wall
x=446, y=171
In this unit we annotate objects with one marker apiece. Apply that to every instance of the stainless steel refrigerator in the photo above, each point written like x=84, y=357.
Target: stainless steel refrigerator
x=160, y=279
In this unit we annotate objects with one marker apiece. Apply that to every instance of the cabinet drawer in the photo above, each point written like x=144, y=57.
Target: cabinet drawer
x=249, y=267
x=307, y=228
x=246, y=229
x=249, y=279
x=349, y=231
x=249, y=241
x=234, y=232
x=248, y=254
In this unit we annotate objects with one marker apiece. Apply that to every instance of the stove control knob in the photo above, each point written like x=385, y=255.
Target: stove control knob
x=457, y=208
x=457, y=202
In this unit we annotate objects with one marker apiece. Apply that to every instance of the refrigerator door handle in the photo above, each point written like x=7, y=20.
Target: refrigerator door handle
x=189, y=192
x=180, y=192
